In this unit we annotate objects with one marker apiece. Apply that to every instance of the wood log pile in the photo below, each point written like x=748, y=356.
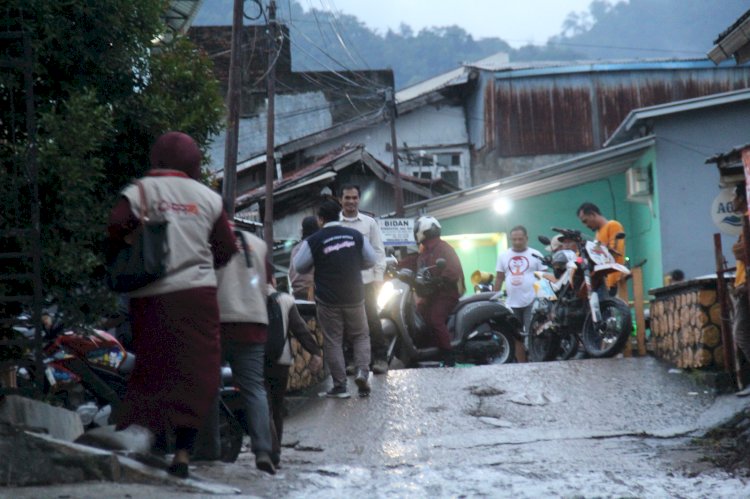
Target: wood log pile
x=300, y=376
x=686, y=328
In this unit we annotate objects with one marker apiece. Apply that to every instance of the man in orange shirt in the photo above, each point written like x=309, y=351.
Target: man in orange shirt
x=606, y=230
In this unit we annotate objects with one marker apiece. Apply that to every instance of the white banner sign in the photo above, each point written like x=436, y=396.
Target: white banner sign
x=723, y=215
x=397, y=231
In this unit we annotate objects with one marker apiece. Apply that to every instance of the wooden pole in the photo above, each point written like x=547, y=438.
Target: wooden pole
x=229, y=185
x=640, y=316
x=622, y=293
x=270, y=124
x=722, y=295
x=398, y=190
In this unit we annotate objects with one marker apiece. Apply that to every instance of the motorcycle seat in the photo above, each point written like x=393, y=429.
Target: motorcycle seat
x=465, y=300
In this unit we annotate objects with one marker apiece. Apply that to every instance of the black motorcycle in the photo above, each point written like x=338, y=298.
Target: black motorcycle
x=483, y=329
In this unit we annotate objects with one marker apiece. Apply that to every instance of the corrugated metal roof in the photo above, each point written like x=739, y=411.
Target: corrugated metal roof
x=523, y=69
x=454, y=77
x=334, y=161
x=733, y=41
x=637, y=116
x=550, y=178
x=180, y=14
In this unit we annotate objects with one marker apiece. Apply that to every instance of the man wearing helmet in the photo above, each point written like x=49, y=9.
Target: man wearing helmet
x=436, y=308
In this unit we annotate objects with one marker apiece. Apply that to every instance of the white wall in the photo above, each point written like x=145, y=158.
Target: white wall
x=422, y=129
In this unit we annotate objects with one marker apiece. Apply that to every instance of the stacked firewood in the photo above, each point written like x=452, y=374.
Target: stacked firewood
x=300, y=376
x=686, y=328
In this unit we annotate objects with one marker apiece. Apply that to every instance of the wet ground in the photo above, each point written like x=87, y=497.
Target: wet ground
x=586, y=428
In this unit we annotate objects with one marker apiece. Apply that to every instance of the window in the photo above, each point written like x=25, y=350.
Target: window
x=450, y=176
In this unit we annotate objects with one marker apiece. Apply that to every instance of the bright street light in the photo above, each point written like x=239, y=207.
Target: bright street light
x=502, y=206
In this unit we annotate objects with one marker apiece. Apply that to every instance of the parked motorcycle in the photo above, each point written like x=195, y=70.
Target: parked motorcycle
x=483, y=329
x=579, y=309
x=88, y=372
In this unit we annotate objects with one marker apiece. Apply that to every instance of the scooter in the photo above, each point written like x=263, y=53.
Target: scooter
x=88, y=373
x=483, y=329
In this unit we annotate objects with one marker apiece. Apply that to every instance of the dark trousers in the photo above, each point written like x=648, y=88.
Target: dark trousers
x=277, y=377
x=435, y=312
x=378, y=348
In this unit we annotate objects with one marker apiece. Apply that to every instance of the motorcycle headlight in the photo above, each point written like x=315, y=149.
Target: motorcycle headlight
x=387, y=291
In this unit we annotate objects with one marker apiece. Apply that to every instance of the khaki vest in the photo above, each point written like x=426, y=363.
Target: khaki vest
x=192, y=210
x=243, y=290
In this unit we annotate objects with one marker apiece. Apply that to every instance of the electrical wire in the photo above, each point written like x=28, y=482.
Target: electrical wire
x=349, y=80
x=334, y=21
x=261, y=11
x=366, y=84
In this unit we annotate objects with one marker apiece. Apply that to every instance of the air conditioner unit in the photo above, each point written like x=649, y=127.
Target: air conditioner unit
x=638, y=181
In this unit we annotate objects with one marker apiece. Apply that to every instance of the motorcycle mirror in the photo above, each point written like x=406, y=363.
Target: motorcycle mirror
x=440, y=263
x=620, y=235
x=544, y=240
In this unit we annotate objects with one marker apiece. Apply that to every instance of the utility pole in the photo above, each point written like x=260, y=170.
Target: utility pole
x=390, y=103
x=229, y=186
x=270, y=123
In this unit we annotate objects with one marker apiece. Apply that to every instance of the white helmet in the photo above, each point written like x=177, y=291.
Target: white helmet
x=426, y=227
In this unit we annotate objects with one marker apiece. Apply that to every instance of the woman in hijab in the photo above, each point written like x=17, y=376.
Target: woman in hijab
x=175, y=320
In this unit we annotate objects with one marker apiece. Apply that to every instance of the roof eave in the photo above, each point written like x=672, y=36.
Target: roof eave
x=731, y=44
x=583, y=168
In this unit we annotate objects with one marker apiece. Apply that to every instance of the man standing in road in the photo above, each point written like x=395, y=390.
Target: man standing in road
x=371, y=278
x=606, y=230
x=339, y=254
x=515, y=267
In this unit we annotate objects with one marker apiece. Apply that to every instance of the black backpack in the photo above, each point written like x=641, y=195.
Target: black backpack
x=276, y=334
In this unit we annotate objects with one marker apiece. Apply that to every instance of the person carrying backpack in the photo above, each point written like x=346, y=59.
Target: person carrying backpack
x=242, y=294
x=281, y=308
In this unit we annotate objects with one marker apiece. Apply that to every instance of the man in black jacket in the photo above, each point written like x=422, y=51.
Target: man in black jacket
x=339, y=254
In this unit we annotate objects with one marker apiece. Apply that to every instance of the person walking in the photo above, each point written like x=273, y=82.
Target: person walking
x=276, y=371
x=372, y=278
x=242, y=294
x=175, y=319
x=515, y=268
x=302, y=284
x=606, y=230
x=449, y=279
x=339, y=254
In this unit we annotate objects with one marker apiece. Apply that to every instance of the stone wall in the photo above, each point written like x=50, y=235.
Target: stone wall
x=686, y=325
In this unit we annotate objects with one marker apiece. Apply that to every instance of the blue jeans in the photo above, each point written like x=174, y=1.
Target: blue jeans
x=246, y=361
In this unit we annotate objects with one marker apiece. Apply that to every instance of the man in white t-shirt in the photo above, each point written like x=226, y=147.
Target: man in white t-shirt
x=515, y=267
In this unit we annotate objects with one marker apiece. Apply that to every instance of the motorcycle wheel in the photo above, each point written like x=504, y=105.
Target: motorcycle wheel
x=545, y=346
x=507, y=349
x=568, y=347
x=231, y=435
x=609, y=338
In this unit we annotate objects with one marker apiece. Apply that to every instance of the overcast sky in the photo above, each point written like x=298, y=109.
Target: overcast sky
x=518, y=22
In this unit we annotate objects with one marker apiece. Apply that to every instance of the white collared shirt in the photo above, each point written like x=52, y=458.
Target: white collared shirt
x=370, y=229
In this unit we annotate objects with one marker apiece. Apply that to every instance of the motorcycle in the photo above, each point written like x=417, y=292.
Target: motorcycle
x=483, y=329
x=579, y=308
x=88, y=373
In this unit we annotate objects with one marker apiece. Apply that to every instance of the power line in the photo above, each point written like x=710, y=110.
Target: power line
x=352, y=82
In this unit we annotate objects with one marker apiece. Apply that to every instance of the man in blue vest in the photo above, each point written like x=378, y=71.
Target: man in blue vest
x=339, y=254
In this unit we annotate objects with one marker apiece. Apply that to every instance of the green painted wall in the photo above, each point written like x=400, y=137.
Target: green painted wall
x=478, y=254
x=558, y=209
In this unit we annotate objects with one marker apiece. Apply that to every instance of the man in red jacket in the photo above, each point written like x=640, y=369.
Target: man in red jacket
x=436, y=308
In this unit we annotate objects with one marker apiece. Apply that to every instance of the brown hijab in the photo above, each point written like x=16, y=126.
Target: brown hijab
x=177, y=151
